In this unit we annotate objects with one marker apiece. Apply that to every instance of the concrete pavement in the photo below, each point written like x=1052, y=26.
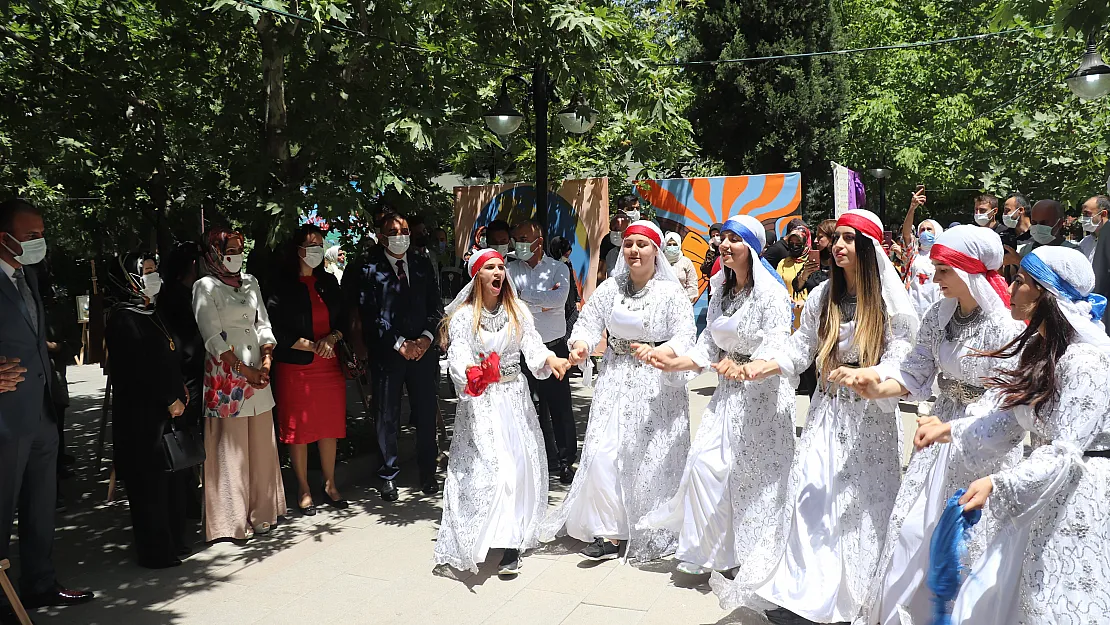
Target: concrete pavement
x=368, y=564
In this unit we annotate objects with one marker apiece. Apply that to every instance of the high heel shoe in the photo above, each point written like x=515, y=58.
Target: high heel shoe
x=338, y=504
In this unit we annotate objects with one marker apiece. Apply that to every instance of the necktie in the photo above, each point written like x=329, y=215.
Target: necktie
x=401, y=272
x=28, y=298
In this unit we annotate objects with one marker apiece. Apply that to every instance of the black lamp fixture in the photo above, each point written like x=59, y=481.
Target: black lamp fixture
x=578, y=117
x=881, y=173
x=503, y=119
x=1092, y=78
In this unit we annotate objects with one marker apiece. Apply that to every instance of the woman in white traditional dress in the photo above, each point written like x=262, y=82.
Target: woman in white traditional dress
x=730, y=511
x=639, y=429
x=1049, y=562
x=924, y=291
x=847, y=469
x=496, y=490
x=973, y=318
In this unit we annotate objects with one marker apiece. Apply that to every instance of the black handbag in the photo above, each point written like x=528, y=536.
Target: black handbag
x=352, y=366
x=183, y=447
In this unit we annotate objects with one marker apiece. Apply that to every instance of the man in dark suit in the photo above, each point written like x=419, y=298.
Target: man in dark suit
x=28, y=432
x=400, y=310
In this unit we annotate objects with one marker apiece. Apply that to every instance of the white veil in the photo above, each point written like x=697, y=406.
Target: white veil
x=1067, y=274
x=477, y=259
x=762, y=276
x=980, y=244
x=663, y=270
x=895, y=298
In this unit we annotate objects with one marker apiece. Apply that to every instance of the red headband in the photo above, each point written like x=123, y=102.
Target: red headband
x=970, y=264
x=863, y=224
x=484, y=258
x=644, y=231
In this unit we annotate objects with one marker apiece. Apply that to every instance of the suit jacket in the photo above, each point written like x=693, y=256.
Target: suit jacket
x=22, y=409
x=389, y=310
x=290, y=311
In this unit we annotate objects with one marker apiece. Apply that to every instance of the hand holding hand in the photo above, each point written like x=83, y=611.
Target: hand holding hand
x=579, y=353
x=325, y=347
x=728, y=369
x=409, y=350
x=176, y=408
x=642, y=352
x=931, y=430
x=977, y=494
x=11, y=374
x=757, y=370
x=558, y=366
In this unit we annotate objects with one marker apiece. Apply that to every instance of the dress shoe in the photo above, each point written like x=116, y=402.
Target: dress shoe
x=566, y=475
x=389, y=491
x=431, y=487
x=338, y=504
x=59, y=595
x=309, y=510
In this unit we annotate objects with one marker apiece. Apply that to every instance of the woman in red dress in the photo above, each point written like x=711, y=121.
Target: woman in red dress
x=307, y=313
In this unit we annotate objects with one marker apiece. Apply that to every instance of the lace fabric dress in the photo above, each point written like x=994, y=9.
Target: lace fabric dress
x=496, y=489
x=843, y=480
x=730, y=507
x=638, y=434
x=1049, y=562
x=944, y=353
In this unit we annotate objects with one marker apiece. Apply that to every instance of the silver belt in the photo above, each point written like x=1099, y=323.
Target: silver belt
x=509, y=372
x=738, y=358
x=622, y=347
x=959, y=390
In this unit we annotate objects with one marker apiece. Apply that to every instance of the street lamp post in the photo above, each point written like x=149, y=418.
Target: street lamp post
x=503, y=119
x=1092, y=78
x=882, y=173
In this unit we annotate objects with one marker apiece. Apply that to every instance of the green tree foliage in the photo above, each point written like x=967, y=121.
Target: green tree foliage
x=770, y=116
x=987, y=115
x=126, y=117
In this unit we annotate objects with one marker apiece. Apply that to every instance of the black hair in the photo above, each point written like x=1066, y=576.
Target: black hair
x=624, y=201
x=987, y=198
x=416, y=220
x=389, y=216
x=1022, y=203
x=498, y=225
x=1033, y=382
x=291, y=259
x=180, y=260
x=15, y=206
x=797, y=222
x=558, y=247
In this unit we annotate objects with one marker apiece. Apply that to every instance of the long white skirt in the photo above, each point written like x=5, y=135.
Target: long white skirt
x=599, y=512
x=514, y=498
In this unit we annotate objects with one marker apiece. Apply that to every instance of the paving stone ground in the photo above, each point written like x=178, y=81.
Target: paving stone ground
x=368, y=564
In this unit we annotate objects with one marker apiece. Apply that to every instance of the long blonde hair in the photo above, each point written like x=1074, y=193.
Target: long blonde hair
x=871, y=319
x=476, y=302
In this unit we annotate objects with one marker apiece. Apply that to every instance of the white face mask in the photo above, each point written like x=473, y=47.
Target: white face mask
x=233, y=262
x=398, y=244
x=714, y=241
x=503, y=250
x=1089, y=224
x=482, y=242
x=673, y=253
x=1011, y=220
x=313, y=256
x=982, y=219
x=633, y=215
x=152, y=284
x=1042, y=234
x=523, y=250
x=33, y=251
x=616, y=237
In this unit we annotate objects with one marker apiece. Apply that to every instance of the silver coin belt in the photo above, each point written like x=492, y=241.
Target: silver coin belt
x=622, y=347
x=738, y=358
x=958, y=390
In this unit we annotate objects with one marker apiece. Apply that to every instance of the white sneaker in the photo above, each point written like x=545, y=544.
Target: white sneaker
x=692, y=569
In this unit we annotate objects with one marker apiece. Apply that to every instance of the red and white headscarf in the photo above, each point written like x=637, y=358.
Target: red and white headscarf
x=976, y=255
x=895, y=298
x=648, y=229
x=477, y=260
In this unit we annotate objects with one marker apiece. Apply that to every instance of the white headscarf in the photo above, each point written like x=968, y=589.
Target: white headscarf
x=961, y=248
x=937, y=230
x=1067, y=274
x=762, y=275
x=663, y=270
x=332, y=255
x=895, y=298
x=477, y=260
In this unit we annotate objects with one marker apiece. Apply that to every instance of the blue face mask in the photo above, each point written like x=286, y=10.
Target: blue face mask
x=926, y=239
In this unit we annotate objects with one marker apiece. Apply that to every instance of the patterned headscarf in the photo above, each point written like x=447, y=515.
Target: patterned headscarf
x=219, y=241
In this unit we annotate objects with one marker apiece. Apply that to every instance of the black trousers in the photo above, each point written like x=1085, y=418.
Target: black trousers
x=28, y=481
x=157, y=499
x=390, y=373
x=553, y=405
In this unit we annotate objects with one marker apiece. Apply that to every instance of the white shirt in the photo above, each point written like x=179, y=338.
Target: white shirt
x=408, y=276
x=545, y=289
x=1087, y=246
x=9, y=271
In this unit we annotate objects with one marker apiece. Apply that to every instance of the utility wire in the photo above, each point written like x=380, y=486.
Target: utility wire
x=399, y=44
x=894, y=46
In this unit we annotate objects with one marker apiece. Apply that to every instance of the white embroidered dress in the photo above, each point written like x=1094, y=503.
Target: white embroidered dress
x=945, y=351
x=843, y=481
x=496, y=490
x=730, y=510
x=638, y=434
x=1049, y=563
